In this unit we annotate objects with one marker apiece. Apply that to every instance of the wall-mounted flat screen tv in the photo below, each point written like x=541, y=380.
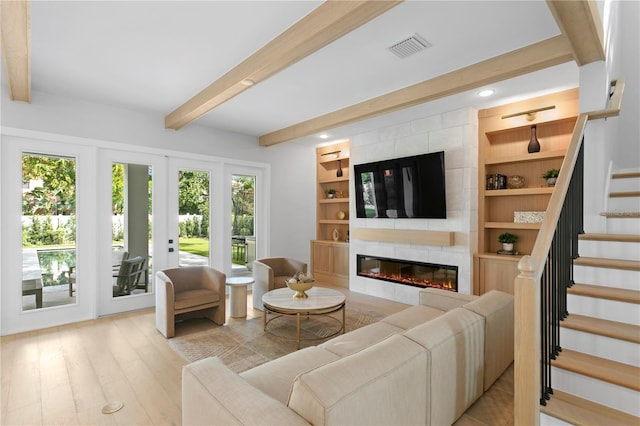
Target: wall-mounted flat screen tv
x=408, y=187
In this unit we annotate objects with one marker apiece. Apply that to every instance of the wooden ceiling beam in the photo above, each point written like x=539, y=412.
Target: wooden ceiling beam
x=15, y=20
x=580, y=23
x=544, y=54
x=325, y=24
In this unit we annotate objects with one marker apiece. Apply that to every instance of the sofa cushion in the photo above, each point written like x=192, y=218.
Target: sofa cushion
x=455, y=343
x=356, y=340
x=190, y=298
x=276, y=377
x=497, y=309
x=412, y=316
x=376, y=386
x=212, y=393
x=444, y=300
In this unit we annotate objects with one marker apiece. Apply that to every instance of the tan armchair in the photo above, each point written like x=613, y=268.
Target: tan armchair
x=271, y=273
x=189, y=292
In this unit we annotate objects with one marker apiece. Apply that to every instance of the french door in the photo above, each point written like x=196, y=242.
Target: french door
x=132, y=228
x=193, y=213
x=48, y=231
x=204, y=225
x=245, y=194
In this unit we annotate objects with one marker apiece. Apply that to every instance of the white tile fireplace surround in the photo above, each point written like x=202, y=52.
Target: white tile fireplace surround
x=455, y=133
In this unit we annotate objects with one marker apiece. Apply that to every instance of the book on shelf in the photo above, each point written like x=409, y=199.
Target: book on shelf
x=496, y=181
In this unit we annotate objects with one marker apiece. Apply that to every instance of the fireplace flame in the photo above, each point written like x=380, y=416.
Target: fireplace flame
x=445, y=285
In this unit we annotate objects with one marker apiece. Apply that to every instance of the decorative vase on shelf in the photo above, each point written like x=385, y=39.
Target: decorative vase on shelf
x=515, y=182
x=507, y=246
x=534, y=145
x=335, y=234
x=339, y=171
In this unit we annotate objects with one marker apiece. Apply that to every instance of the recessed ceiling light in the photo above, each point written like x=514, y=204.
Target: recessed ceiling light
x=247, y=82
x=486, y=92
x=323, y=136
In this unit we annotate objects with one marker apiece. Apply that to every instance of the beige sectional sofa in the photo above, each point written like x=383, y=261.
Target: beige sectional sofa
x=424, y=365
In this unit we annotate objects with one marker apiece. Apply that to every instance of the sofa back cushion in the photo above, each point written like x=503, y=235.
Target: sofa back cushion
x=444, y=300
x=359, y=339
x=384, y=384
x=497, y=309
x=213, y=394
x=275, y=377
x=455, y=344
x=412, y=316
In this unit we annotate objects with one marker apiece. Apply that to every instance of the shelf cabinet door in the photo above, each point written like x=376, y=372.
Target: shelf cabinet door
x=496, y=274
x=341, y=260
x=322, y=257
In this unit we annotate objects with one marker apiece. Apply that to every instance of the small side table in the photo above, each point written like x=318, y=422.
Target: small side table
x=238, y=295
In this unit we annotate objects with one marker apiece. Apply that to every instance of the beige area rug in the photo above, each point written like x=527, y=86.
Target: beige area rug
x=242, y=345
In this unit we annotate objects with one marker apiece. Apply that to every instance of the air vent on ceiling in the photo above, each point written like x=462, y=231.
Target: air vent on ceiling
x=409, y=46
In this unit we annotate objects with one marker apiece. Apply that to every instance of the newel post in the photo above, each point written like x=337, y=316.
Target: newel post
x=527, y=344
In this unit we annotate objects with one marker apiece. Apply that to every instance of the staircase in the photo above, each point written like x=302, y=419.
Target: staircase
x=596, y=377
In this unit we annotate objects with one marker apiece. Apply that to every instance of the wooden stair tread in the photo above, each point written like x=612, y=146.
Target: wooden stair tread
x=621, y=215
x=603, y=292
x=602, y=327
x=625, y=175
x=599, y=368
x=582, y=412
x=624, y=194
x=629, y=265
x=619, y=238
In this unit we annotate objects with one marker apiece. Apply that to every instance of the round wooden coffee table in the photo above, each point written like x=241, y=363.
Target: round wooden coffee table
x=321, y=301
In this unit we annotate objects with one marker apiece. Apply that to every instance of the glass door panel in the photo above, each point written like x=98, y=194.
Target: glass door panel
x=48, y=231
x=243, y=237
x=193, y=222
x=131, y=236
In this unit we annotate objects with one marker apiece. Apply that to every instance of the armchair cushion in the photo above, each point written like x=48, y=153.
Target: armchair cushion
x=188, y=298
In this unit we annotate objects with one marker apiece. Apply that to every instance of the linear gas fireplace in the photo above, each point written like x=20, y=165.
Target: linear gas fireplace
x=417, y=274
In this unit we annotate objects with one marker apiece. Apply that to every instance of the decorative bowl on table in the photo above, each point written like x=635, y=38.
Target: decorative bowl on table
x=300, y=283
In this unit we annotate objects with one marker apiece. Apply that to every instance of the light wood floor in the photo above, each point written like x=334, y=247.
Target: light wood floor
x=66, y=374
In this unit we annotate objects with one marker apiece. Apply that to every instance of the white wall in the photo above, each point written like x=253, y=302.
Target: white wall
x=616, y=139
x=455, y=132
x=625, y=63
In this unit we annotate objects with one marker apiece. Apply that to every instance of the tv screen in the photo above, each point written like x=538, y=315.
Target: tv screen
x=408, y=187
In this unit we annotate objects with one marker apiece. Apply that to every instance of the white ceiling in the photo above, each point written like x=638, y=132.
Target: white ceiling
x=155, y=55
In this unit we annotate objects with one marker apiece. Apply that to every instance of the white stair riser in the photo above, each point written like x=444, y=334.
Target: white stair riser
x=623, y=204
x=609, y=250
x=623, y=226
x=620, y=185
x=616, y=397
x=611, y=310
x=600, y=346
x=618, y=278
